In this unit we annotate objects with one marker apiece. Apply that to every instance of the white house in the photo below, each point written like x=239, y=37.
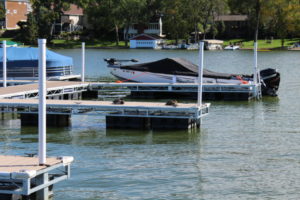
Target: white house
x=146, y=41
x=154, y=28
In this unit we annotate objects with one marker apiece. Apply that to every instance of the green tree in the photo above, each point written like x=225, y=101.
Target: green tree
x=132, y=13
x=105, y=17
x=201, y=14
x=2, y=11
x=175, y=19
x=46, y=13
x=28, y=30
x=282, y=17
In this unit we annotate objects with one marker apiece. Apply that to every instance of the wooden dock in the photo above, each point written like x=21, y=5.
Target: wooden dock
x=23, y=176
x=190, y=114
x=23, y=99
x=136, y=90
x=31, y=90
x=211, y=91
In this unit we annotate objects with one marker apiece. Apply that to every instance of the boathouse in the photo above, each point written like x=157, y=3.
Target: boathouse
x=148, y=41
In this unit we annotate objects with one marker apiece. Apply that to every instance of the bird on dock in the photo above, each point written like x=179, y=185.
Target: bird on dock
x=118, y=101
x=172, y=103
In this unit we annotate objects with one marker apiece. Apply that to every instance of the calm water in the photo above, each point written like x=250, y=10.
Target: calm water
x=244, y=150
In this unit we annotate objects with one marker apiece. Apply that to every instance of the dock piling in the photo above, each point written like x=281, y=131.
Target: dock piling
x=82, y=62
x=200, y=73
x=42, y=101
x=4, y=61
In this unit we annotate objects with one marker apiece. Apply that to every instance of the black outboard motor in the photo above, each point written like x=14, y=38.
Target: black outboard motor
x=270, y=79
x=110, y=61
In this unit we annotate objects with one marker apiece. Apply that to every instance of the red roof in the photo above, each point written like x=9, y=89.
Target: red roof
x=74, y=10
x=145, y=37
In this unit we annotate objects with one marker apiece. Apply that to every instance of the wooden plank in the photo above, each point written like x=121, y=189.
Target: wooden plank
x=32, y=88
x=11, y=164
x=77, y=103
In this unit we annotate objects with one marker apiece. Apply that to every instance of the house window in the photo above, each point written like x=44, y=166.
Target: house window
x=15, y=11
x=7, y=11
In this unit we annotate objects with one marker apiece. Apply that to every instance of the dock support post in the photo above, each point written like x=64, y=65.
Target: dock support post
x=255, y=72
x=83, y=62
x=200, y=73
x=42, y=179
x=4, y=60
x=42, y=102
x=31, y=119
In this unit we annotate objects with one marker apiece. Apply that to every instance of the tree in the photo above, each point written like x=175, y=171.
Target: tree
x=2, y=11
x=46, y=13
x=201, y=14
x=29, y=30
x=175, y=19
x=132, y=13
x=282, y=17
x=105, y=17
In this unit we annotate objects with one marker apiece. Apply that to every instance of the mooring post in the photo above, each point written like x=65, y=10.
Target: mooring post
x=83, y=62
x=43, y=178
x=200, y=73
x=42, y=101
x=43, y=194
x=4, y=60
x=255, y=71
x=200, y=80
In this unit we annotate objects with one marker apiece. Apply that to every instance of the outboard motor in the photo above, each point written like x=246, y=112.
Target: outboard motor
x=114, y=63
x=270, y=79
x=110, y=61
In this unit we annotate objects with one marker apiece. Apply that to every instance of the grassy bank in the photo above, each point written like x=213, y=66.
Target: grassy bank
x=89, y=44
x=245, y=44
x=262, y=44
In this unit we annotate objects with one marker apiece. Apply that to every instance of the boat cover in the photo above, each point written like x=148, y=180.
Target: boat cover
x=28, y=57
x=175, y=66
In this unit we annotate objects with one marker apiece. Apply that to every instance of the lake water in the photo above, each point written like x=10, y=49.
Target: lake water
x=244, y=150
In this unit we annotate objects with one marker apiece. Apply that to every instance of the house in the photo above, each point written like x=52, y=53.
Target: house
x=146, y=41
x=236, y=26
x=71, y=20
x=153, y=28
x=16, y=10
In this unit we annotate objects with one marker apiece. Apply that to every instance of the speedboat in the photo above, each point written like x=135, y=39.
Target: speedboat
x=232, y=47
x=179, y=70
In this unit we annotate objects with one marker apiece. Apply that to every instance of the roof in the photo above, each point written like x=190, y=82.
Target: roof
x=28, y=57
x=214, y=41
x=231, y=18
x=74, y=10
x=146, y=37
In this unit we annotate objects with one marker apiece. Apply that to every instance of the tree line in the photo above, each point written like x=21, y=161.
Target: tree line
x=108, y=18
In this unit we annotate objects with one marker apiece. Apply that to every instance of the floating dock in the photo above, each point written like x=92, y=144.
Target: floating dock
x=22, y=176
x=216, y=91
x=54, y=88
x=142, y=115
x=22, y=99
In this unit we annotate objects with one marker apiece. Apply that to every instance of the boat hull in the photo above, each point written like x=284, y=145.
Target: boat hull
x=148, y=77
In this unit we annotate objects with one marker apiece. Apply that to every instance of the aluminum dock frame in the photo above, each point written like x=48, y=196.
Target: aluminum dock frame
x=22, y=177
x=213, y=91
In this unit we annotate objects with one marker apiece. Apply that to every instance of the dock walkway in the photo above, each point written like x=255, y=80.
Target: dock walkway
x=21, y=175
x=31, y=90
x=211, y=91
x=23, y=99
x=107, y=108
